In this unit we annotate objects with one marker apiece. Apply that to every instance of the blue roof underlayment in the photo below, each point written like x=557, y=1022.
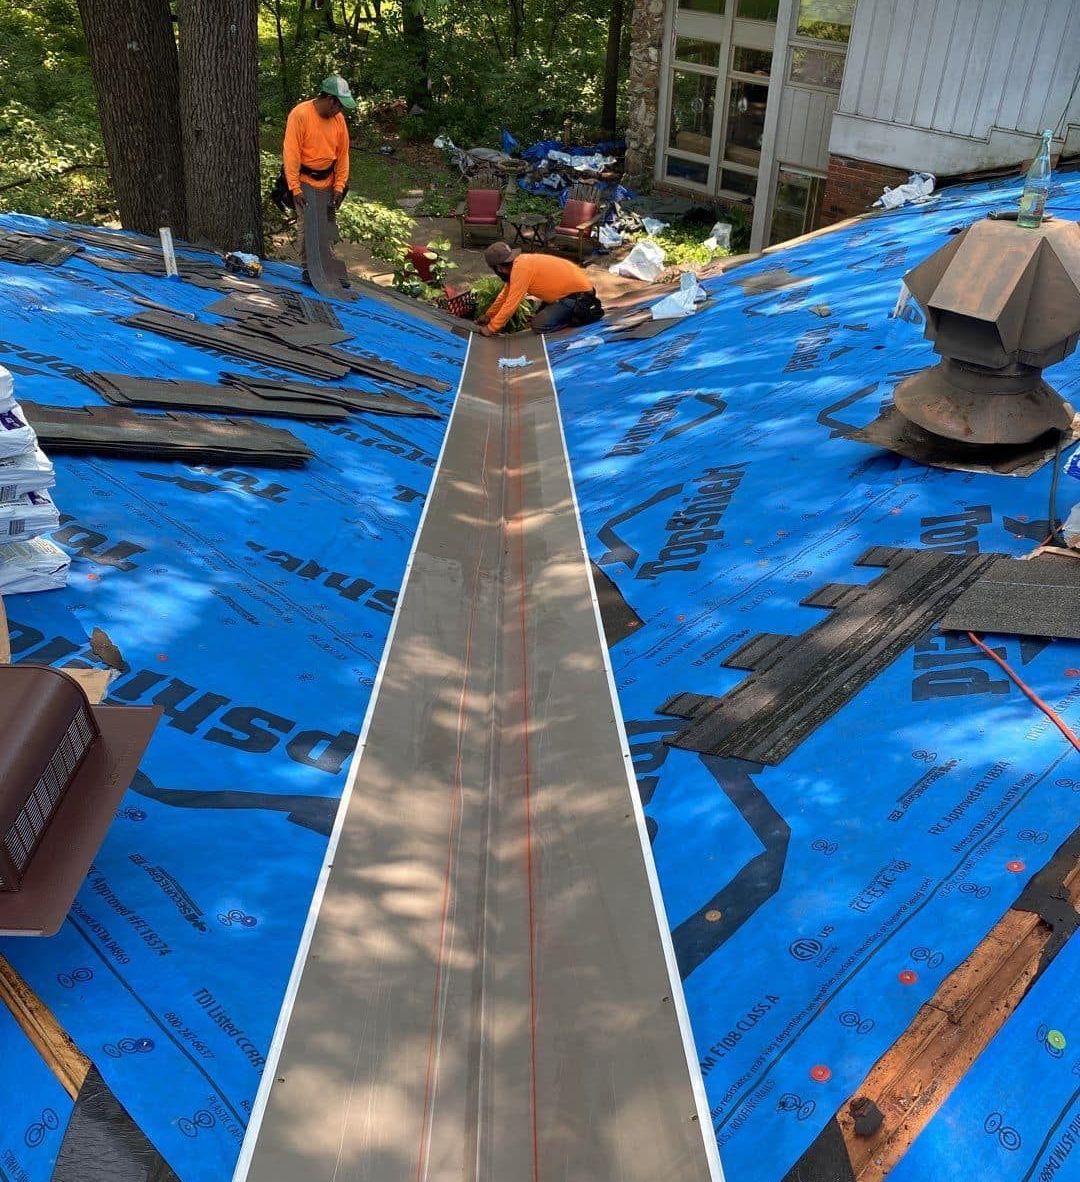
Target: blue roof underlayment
x=254, y=605
x=1016, y=1114
x=798, y=894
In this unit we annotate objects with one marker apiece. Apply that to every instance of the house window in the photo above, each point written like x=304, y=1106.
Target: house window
x=696, y=172
x=745, y=122
x=816, y=67
x=715, y=7
x=693, y=105
x=796, y=203
x=738, y=182
x=751, y=61
x=826, y=20
x=757, y=10
x=698, y=53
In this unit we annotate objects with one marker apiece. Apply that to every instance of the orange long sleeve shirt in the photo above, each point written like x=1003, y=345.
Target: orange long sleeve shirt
x=315, y=142
x=544, y=276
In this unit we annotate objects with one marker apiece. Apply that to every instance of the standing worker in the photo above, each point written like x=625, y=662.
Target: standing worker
x=562, y=287
x=316, y=149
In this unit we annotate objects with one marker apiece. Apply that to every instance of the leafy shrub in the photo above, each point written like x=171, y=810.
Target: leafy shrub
x=521, y=202
x=385, y=231
x=487, y=290
x=407, y=278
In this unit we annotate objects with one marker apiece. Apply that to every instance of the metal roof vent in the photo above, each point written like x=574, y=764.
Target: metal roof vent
x=1001, y=302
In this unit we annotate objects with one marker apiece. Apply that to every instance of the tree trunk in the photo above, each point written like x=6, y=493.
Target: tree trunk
x=219, y=114
x=414, y=31
x=283, y=58
x=298, y=36
x=134, y=64
x=610, y=108
x=517, y=24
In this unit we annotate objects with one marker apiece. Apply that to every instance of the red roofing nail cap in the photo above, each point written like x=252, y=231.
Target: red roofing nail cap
x=820, y=1073
x=908, y=977
x=1015, y=867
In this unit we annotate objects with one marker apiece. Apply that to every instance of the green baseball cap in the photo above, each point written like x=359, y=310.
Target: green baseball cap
x=338, y=88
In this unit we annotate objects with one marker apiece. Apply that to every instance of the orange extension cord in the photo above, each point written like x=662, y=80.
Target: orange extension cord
x=1050, y=713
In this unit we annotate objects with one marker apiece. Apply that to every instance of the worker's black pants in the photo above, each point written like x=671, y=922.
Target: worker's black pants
x=580, y=308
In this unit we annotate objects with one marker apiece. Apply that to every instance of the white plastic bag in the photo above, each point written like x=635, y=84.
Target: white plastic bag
x=682, y=302
x=919, y=186
x=719, y=237
x=654, y=226
x=7, y=389
x=609, y=237
x=645, y=261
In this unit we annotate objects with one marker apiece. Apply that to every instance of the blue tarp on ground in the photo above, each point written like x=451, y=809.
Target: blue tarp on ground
x=814, y=905
x=253, y=605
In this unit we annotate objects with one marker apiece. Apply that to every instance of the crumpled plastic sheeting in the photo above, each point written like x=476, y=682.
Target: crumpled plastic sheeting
x=645, y=261
x=682, y=302
x=919, y=186
x=593, y=163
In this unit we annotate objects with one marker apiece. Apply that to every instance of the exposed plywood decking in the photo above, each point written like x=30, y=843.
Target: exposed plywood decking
x=487, y=995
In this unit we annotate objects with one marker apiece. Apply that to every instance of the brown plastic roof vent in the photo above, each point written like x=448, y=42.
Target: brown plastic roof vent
x=1001, y=302
x=48, y=729
x=64, y=765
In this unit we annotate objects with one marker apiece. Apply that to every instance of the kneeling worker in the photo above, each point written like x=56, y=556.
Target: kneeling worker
x=562, y=287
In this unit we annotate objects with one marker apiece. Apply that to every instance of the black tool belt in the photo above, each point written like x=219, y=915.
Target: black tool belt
x=587, y=308
x=281, y=194
x=317, y=174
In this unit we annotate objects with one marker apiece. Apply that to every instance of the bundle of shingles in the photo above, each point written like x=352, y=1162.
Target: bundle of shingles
x=247, y=394
x=28, y=560
x=17, y=247
x=118, y=431
x=264, y=331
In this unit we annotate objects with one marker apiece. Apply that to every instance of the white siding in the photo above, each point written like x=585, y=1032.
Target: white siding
x=957, y=85
x=802, y=137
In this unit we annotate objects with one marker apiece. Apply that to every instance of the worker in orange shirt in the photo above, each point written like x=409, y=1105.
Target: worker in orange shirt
x=566, y=295
x=316, y=150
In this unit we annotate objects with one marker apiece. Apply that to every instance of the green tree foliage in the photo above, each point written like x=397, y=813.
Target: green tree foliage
x=522, y=64
x=51, y=161
x=483, y=64
x=385, y=231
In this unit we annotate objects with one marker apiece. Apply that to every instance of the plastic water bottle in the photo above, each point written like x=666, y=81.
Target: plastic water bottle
x=1036, y=187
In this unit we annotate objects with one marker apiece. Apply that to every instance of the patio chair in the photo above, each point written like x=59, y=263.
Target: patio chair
x=579, y=225
x=480, y=214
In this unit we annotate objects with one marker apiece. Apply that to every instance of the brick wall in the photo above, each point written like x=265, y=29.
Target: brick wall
x=852, y=185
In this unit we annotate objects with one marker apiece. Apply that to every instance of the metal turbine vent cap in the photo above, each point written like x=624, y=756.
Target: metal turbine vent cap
x=1001, y=302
